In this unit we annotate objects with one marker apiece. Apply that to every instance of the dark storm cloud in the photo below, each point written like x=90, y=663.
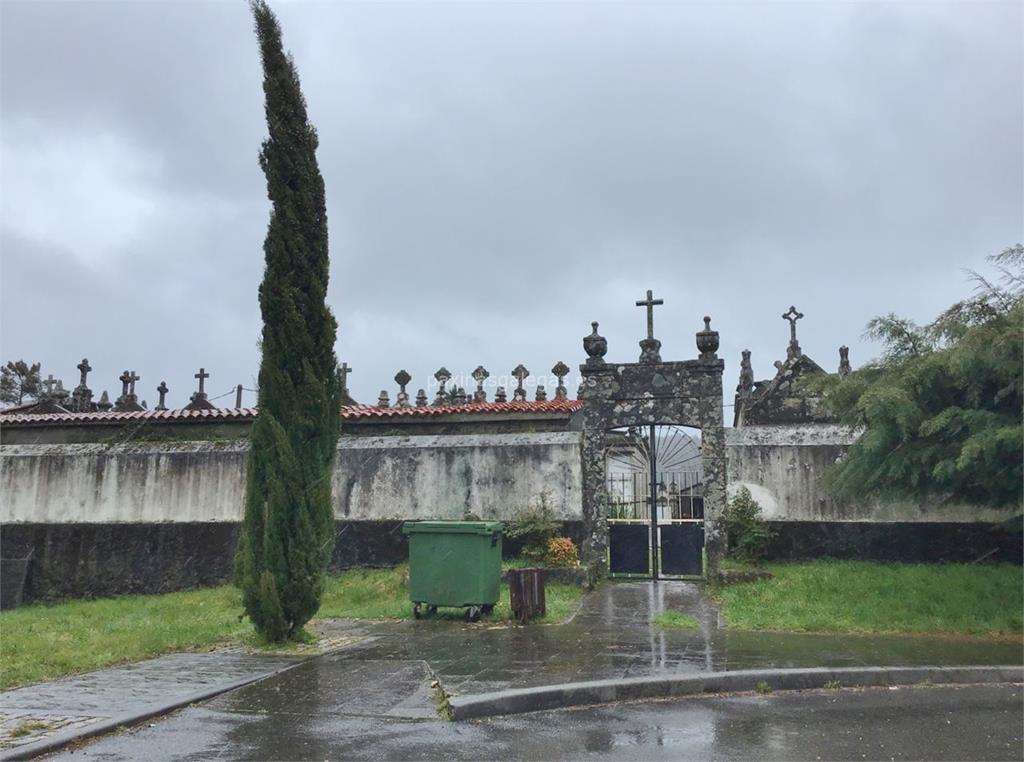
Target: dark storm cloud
x=500, y=175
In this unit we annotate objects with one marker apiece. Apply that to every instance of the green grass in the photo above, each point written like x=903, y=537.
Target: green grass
x=27, y=728
x=381, y=594
x=862, y=596
x=673, y=620
x=46, y=641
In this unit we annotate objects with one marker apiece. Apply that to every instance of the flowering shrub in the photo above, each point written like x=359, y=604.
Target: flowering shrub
x=561, y=551
x=534, y=526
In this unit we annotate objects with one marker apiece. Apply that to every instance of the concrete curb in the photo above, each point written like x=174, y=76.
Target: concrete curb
x=60, y=740
x=523, y=700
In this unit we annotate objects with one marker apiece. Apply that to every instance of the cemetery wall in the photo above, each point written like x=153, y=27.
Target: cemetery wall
x=100, y=560
x=375, y=478
x=103, y=519
x=399, y=476
x=100, y=519
x=784, y=467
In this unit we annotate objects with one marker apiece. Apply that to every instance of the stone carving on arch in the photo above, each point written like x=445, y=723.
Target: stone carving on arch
x=682, y=393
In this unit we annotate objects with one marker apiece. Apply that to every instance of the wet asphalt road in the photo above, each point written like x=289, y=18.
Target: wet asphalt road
x=968, y=722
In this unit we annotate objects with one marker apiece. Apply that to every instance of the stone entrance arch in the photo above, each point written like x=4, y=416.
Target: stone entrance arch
x=685, y=393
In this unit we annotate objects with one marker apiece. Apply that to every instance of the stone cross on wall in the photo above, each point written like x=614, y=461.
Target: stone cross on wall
x=52, y=401
x=649, y=347
x=442, y=376
x=480, y=375
x=81, y=397
x=198, y=400
x=128, y=401
x=560, y=371
x=520, y=373
x=344, y=370
x=402, y=378
x=162, y=391
x=650, y=303
x=84, y=369
x=793, y=350
x=202, y=375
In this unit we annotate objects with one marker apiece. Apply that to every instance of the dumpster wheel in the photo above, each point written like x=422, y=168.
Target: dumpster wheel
x=419, y=613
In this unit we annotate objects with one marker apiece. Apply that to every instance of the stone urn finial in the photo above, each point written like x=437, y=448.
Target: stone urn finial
x=707, y=341
x=596, y=346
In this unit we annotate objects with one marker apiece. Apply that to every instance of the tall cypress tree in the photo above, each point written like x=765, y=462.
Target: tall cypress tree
x=288, y=529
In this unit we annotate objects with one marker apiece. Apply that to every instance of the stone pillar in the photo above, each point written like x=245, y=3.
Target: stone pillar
x=714, y=464
x=594, y=388
x=594, y=550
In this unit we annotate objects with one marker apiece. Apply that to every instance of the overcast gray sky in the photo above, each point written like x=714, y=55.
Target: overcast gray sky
x=499, y=175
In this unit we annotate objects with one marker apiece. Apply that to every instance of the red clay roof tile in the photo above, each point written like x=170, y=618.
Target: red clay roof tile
x=350, y=412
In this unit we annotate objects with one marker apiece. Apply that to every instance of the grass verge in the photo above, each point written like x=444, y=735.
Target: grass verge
x=674, y=620
x=864, y=596
x=382, y=594
x=47, y=641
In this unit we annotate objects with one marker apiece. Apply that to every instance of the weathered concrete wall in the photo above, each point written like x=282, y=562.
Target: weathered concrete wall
x=376, y=478
x=446, y=476
x=784, y=467
x=133, y=483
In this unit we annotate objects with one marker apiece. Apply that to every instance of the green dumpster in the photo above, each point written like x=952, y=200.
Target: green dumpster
x=454, y=563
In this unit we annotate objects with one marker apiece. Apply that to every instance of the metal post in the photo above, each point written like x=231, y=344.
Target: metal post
x=653, y=501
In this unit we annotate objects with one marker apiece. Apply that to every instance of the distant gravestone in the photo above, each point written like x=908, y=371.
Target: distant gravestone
x=199, y=400
x=128, y=402
x=520, y=373
x=162, y=391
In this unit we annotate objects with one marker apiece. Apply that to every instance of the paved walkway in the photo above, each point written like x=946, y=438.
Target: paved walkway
x=77, y=705
x=390, y=672
x=612, y=636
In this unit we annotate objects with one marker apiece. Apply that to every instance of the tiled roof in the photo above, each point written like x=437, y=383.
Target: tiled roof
x=248, y=413
x=479, y=408
x=223, y=414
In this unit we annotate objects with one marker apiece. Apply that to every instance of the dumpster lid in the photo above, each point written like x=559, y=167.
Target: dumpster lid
x=451, y=527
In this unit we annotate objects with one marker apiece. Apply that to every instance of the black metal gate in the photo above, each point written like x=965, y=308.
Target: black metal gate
x=656, y=504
